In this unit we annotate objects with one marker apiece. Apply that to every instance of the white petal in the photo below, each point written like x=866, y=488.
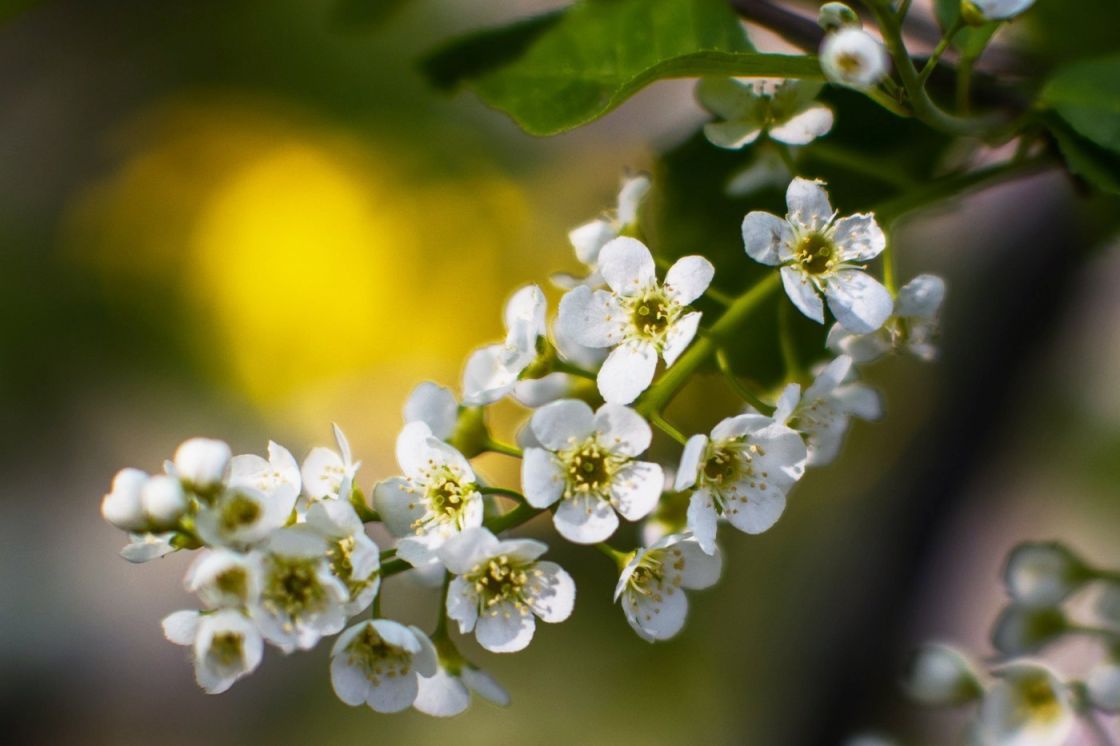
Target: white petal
x=859, y=400
x=462, y=552
x=349, y=684
x=561, y=424
x=122, y=506
x=854, y=58
x=462, y=604
x=425, y=661
x=701, y=570
x=680, y=335
x=689, y=469
x=630, y=196
x=181, y=627
x=435, y=406
x=657, y=616
x=484, y=685
x=921, y=297
x=622, y=430
x=592, y=318
x=554, y=593
x=321, y=473
x=1104, y=686
x=858, y=238
x=767, y=237
x=505, y=629
x=829, y=378
x=398, y=505
x=586, y=520
x=636, y=488
x=627, y=266
x=702, y=519
x=442, y=695
x=342, y=443
x=412, y=449
x=627, y=372
x=528, y=306
x=732, y=135
x=419, y=551
x=729, y=99
x=688, y=278
x=809, y=208
x=803, y=294
x=753, y=510
x=589, y=239
x=861, y=348
x=486, y=378
x=536, y=392
x=542, y=477
x=147, y=547
x=740, y=425
x=805, y=127
x=393, y=694
x=787, y=402
x=524, y=550
x=858, y=301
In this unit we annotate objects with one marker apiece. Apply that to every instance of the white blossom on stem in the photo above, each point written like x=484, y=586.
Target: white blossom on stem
x=278, y=477
x=448, y=692
x=912, y=328
x=492, y=371
x=742, y=473
x=379, y=662
x=787, y=112
x=853, y=58
x=652, y=584
x=240, y=516
x=435, y=406
x=329, y=475
x=226, y=645
x=590, y=238
x=1043, y=573
x=639, y=317
x=588, y=462
x=1027, y=706
x=201, y=463
x=225, y=579
x=820, y=255
x=354, y=557
x=501, y=587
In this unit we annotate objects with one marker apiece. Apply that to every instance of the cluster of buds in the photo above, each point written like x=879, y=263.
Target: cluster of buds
x=1019, y=698
x=285, y=557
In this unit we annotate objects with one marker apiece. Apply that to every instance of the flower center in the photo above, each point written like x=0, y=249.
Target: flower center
x=849, y=63
x=447, y=497
x=239, y=511
x=501, y=580
x=590, y=468
x=648, y=575
x=1040, y=701
x=723, y=465
x=233, y=582
x=371, y=655
x=652, y=314
x=293, y=586
x=816, y=254
x=225, y=649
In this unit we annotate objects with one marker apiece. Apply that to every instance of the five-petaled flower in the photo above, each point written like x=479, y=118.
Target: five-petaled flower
x=912, y=327
x=501, y=587
x=587, y=462
x=590, y=238
x=787, y=112
x=435, y=499
x=226, y=645
x=741, y=473
x=354, y=558
x=639, y=317
x=379, y=662
x=1028, y=704
x=818, y=254
x=651, y=586
x=492, y=371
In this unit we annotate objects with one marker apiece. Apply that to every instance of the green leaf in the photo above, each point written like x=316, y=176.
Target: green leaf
x=563, y=70
x=1096, y=165
x=970, y=40
x=365, y=13
x=1087, y=96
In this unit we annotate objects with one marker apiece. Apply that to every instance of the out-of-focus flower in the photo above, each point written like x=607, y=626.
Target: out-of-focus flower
x=226, y=645
x=853, y=58
x=590, y=238
x=201, y=463
x=122, y=506
x=448, y=692
x=435, y=406
x=1043, y=573
x=941, y=675
x=225, y=579
x=982, y=11
x=492, y=371
x=379, y=662
x=1027, y=706
x=163, y=500
x=787, y=112
x=328, y=474
x=1026, y=629
x=912, y=327
x=353, y=556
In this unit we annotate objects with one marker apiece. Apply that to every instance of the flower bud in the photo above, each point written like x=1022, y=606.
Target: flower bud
x=163, y=500
x=941, y=675
x=122, y=506
x=835, y=16
x=1043, y=574
x=1023, y=629
x=201, y=462
x=979, y=12
x=854, y=58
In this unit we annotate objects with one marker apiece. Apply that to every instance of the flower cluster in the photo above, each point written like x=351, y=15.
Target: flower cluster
x=285, y=558
x=1022, y=699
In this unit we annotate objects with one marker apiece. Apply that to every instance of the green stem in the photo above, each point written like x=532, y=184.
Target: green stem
x=619, y=558
x=786, y=156
x=836, y=155
x=503, y=448
x=939, y=50
x=736, y=385
x=785, y=341
x=666, y=427
x=441, y=622
x=503, y=492
x=658, y=395
x=522, y=513
x=889, y=280
x=563, y=366
x=889, y=103
x=964, y=85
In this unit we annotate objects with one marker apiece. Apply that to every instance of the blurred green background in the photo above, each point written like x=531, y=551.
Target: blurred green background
x=248, y=220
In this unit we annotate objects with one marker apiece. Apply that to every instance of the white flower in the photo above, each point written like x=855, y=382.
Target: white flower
x=1026, y=629
x=834, y=16
x=823, y=413
x=378, y=663
x=222, y=578
x=651, y=586
x=639, y=317
x=500, y=588
x=448, y=692
x=226, y=645
x=854, y=58
x=1043, y=573
x=590, y=238
x=329, y=475
x=587, y=462
x=278, y=478
x=163, y=501
x=941, y=675
x=122, y=506
x=437, y=497
x=742, y=473
x=492, y=371
x=435, y=406
x=240, y=516
x=787, y=111
x=201, y=463
x=818, y=255
x=994, y=10
x=1028, y=706
x=1104, y=686
x=912, y=327
x=354, y=558
x=301, y=600
x=145, y=547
